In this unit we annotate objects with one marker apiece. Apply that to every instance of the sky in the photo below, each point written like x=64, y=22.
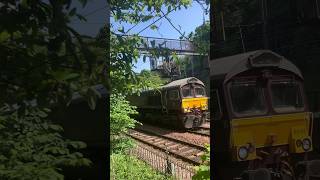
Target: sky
x=188, y=19
x=96, y=13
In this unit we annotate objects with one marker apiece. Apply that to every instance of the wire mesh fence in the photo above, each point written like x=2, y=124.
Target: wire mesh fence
x=162, y=162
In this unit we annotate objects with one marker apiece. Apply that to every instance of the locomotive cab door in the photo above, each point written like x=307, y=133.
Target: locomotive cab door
x=219, y=121
x=173, y=101
x=164, y=102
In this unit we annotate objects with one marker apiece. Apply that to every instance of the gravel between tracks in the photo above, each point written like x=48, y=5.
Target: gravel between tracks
x=206, y=125
x=180, y=135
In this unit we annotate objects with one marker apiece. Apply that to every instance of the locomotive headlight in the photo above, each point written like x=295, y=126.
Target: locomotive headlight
x=186, y=110
x=306, y=144
x=243, y=153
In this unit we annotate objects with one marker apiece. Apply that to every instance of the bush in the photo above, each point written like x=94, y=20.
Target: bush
x=203, y=171
x=130, y=168
x=120, y=122
x=120, y=111
x=31, y=147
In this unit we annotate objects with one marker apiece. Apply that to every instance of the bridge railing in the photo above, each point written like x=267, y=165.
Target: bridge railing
x=172, y=44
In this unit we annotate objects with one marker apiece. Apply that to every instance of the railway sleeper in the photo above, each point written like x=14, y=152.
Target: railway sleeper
x=197, y=153
x=173, y=146
x=200, y=153
x=141, y=135
x=192, y=155
x=159, y=143
x=156, y=140
x=176, y=148
x=168, y=144
x=196, y=159
x=150, y=139
x=182, y=148
x=188, y=152
x=165, y=144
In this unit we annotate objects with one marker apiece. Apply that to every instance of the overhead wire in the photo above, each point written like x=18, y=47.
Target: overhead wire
x=164, y=15
x=137, y=24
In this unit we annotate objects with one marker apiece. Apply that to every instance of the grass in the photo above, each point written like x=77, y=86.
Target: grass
x=125, y=167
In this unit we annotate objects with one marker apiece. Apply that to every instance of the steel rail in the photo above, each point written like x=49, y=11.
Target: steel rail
x=203, y=132
x=185, y=151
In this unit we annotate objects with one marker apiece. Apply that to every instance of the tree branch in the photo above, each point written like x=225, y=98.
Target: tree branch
x=164, y=15
x=169, y=20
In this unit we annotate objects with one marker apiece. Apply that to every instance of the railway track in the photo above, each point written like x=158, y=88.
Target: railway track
x=203, y=131
x=180, y=149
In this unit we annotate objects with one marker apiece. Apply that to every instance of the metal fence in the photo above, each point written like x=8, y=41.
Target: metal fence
x=162, y=162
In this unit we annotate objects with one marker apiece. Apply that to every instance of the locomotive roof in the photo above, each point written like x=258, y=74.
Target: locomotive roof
x=227, y=67
x=182, y=82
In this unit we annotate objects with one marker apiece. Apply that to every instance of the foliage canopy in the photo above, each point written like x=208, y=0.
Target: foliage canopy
x=43, y=61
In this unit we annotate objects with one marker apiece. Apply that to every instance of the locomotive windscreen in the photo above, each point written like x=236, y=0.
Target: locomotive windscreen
x=247, y=99
x=199, y=91
x=187, y=91
x=193, y=91
x=286, y=97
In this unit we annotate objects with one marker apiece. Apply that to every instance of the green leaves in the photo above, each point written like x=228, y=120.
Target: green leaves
x=62, y=76
x=4, y=36
x=123, y=54
x=120, y=121
x=148, y=80
x=121, y=29
x=130, y=168
x=120, y=114
x=92, y=96
x=154, y=27
x=146, y=18
x=32, y=148
x=41, y=49
x=81, y=18
x=203, y=171
x=135, y=12
x=73, y=12
x=201, y=38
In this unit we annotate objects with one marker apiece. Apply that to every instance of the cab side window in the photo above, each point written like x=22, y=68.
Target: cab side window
x=173, y=95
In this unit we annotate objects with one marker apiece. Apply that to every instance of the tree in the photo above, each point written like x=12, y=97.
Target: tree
x=32, y=147
x=43, y=61
x=201, y=38
x=120, y=121
x=149, y=80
